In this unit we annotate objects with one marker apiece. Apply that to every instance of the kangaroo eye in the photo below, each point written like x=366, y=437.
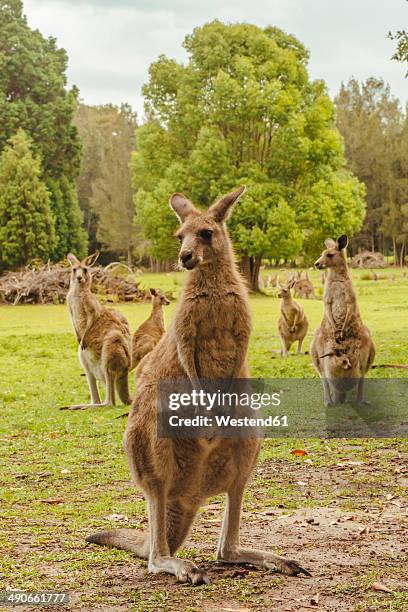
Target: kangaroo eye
x=180, y=238
x=205, y=234
x=330, y=254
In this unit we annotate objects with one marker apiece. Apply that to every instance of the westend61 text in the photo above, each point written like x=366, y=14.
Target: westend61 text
x=228, y=421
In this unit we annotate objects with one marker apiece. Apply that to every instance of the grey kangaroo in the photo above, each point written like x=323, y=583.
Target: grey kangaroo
x=342, y=350
x=208, y=339
x=104, y=341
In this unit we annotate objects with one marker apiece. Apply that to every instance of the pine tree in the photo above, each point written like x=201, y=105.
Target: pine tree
x=34, y=96
x=26, y=221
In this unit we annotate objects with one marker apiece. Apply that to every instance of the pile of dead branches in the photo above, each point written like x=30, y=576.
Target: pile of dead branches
x=368, y=259
x=49, y=285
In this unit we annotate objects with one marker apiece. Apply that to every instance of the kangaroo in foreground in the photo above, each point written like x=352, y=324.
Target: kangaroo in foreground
x=342, y=350
x=149, y=333
x=103, y=336
x=209, y=340
x=293, y=323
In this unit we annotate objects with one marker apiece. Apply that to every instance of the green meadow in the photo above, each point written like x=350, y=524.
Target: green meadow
x=63, y=475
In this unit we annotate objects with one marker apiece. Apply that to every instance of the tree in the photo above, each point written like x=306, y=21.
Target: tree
x=34, y=97
x=104, y=185
x=401, y=53
x=26, y=221
x=376, y=138
x=243, y=110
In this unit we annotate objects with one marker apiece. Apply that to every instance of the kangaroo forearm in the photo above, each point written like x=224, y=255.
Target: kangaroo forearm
x=186, y=356
x=241, y=351
x=330, y=317
x=85, y=334
x=346, y=319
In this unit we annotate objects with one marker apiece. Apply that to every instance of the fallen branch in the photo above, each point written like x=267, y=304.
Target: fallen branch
x=49, y=285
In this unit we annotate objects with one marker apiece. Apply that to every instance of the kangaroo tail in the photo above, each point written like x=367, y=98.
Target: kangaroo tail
x=400, y=366
x=122, y=385
x=125, y=539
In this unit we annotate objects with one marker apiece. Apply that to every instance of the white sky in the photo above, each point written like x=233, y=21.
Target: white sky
x=110, y=44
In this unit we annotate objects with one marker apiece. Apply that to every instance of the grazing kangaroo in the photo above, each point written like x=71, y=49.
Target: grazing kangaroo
x=342, y=350
x=103, y=336
x=303, y=287
x=293, y=323
x=209, y=340
x=149, y=333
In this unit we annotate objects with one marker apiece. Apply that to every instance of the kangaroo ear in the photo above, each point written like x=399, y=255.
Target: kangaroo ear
x=91, y=259
x=329, y=243
x=72, y=259
x=152, y=291
x=342, y=242
x=221, y=209
x=181, y=206
x=290, y=283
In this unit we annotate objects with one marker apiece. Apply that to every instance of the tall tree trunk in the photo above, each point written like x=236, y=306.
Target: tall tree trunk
x=402, y=254
x=129, y=257
x=250, y=267
x=394, y=248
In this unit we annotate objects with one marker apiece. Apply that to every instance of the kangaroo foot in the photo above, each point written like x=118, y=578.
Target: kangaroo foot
x=184, y=570
x=287, y=567
x=362, y=403
x=264, y=559
x=84, y=406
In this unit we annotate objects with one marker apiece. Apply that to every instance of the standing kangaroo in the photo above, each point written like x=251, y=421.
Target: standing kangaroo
x=293, y=323
x=149, y=333
x=208, y=339
x=342, y=350
x=103, y=336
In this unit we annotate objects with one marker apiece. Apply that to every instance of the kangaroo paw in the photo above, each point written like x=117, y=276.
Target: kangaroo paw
x=292, y=568
x=196, y=576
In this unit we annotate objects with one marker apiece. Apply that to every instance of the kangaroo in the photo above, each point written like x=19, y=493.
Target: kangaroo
x=149, y=333
x=208, y=339
x=293, y=323
x=103, y=336
x=342, y=349
x=303, y=287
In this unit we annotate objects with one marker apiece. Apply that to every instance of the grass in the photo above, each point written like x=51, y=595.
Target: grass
x=63, y=474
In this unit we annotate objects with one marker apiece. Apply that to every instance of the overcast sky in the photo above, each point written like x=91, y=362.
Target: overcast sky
x=111, y=43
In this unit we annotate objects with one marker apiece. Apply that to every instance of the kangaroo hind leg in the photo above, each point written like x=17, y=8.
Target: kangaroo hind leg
x=229, y=549
x=164, y=537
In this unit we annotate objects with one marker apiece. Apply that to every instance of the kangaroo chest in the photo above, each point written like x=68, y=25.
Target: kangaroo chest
x=78, y=315
x=215, y=322
x=289, y=313
x=338, y=298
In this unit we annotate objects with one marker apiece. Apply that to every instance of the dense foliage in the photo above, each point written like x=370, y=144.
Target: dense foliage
x=33, y=96
x=375, y=131
x=243, y=110
x=104, y=184
x=26, y=222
